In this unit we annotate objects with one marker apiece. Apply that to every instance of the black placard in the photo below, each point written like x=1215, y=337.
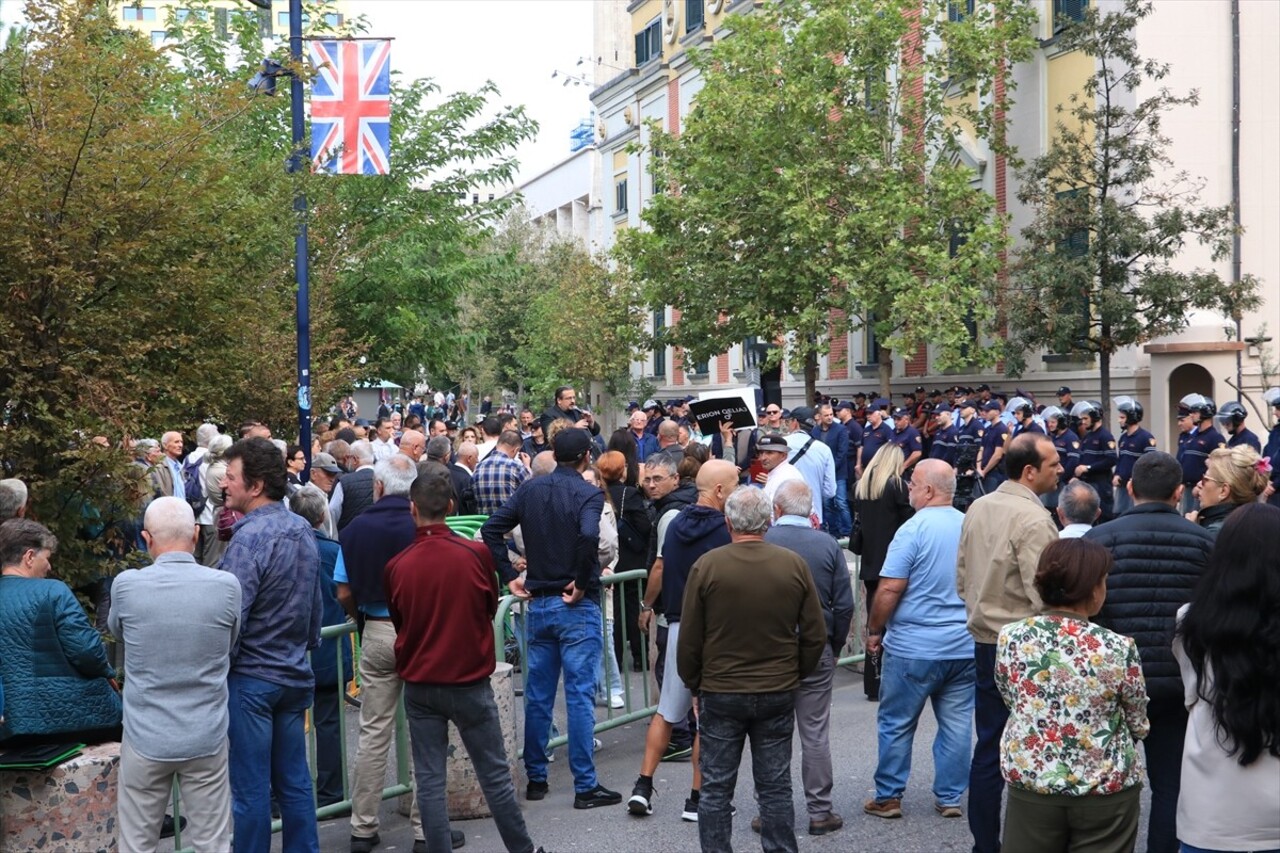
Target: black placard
x=711, y=413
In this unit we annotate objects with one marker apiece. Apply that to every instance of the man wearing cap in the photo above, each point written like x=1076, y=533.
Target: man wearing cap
x=876, y=434
x=812, y=458
x=560, y=516
x=859, y=408
x=772, y=450
x=984, y=393
x=907, y=438
x=1272, y=451
x=944, y=436
x=654, y=413
x=1064, y=399
x=994, y=438
x=833, y=434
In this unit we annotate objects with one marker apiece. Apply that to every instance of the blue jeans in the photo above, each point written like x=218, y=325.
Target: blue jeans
x=1123, y=503
x=905, y=685
x=268, y=754
x=836, y=511
x=569, y=638
x=725, y=721
x=986, y=784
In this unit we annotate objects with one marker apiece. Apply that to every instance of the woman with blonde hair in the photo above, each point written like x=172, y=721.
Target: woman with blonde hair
x=880, y=507
x=1233, y=477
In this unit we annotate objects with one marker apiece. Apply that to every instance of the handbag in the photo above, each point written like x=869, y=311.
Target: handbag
x=855, y=537
x=628, y=537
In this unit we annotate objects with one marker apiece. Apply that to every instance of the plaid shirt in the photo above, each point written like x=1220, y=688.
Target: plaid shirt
x=495, y=480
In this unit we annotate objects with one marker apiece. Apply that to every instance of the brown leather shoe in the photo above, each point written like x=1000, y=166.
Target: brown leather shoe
x=885, y=808
x=830, y=823
x=948, y=811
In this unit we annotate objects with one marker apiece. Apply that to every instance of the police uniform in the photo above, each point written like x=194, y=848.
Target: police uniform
x=873, y=440
x=909, y=441
x=1028, y=425
x=944, y=445
x=1272, y=452
x=1130, y=447
x=1068, y=445
x=993, y=437
x=1098, y=452
x=1194, y=451
x=1244, y=436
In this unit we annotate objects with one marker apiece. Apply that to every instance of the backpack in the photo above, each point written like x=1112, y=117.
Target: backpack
x=193, y=484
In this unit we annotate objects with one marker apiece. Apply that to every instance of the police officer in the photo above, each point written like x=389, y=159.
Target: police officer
x=907, y=437
x=1272, y=450
x=1134, y=441
x=1200, y=439
x=875, y=435
x=1065, y=439
x=1097, y=454
x=1024, y=417
x=1231, y=416
x=1064, y=399
x=944, y=436
x=994, y=439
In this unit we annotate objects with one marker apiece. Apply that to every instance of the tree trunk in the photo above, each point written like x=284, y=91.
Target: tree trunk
x=886, y=373
x=1104, y=368
x=810, y=377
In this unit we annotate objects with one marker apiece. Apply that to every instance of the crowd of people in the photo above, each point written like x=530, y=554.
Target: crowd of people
x=1058, y=598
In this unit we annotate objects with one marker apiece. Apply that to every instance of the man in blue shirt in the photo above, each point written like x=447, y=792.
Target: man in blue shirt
x=1232, y=416
x=944, y=437
x=171, y=444
x=273, y=554
x=875, y=435
x=907, y=438
x=1199, y=439
x=928, y=653
x=994, y=438
x=1272, y=450
x=1133, y=442
x=1097, y=455
x=836, y=437
x=811, y=459
x=559, y=515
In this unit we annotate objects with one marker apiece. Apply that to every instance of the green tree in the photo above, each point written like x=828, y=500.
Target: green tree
x=1098, y=269
x=817, y=184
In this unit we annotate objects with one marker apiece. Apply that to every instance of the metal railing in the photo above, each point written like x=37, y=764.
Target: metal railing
x=403, y=772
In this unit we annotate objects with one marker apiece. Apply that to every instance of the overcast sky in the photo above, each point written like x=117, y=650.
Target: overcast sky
x=515, y=43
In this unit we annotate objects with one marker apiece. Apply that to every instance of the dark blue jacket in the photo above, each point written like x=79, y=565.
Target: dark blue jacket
x=692, y=533
x=368, y=544
x=836, y=438
x=324, y=660
x=1245, y=436
x=1131, y=447
x=52, y=662
x=1193, y=452
x=1272, y=452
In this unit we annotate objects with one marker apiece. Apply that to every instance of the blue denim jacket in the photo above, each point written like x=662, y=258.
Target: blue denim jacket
x=273, y=554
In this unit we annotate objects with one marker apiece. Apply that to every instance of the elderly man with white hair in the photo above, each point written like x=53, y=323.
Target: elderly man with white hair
x=178, y=621
x=354, y=492
x=13, y=499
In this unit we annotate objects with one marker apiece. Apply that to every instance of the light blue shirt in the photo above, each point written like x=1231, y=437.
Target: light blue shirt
x=817, y=466
x=929, y=623
x=179, y=487
x=340, y=576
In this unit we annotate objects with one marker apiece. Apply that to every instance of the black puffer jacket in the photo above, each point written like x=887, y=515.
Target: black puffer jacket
x=1159, y=557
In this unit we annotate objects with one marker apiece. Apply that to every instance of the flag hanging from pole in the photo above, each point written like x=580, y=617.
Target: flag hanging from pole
x=351, y=106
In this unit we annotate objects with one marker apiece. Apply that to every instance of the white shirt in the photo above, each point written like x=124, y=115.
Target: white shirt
x=383, y=449
x=784, y=473
x=1074, y=531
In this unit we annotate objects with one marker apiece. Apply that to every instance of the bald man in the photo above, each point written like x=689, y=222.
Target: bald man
x=919, y=621
x=413, y=444
x=178, y=621
x=695, y=531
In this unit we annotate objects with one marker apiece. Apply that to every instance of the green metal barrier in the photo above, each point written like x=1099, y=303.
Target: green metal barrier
x=403, y=772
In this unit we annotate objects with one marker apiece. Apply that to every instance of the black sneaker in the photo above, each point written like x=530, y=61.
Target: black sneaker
x=365, y=845
x=597, y=796
x=536, y=790
x=167, y=826
x=677, y=752
x=690, y=812
x=641, y=802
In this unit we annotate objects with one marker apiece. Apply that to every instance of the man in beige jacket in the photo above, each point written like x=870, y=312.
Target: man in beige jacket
x=1000, y=544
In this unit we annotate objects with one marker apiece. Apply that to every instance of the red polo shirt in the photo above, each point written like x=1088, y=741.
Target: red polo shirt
x=442, y=592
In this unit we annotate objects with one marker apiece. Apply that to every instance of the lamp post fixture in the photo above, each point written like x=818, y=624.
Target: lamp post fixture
x=295, y=164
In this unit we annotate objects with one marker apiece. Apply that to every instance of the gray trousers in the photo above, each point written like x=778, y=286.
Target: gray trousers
x=144, y=789
x=813, y=724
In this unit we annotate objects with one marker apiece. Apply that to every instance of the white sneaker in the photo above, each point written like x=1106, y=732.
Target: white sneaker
x=617, y=701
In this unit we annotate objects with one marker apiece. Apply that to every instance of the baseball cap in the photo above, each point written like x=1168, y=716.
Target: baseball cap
x=844, y=405
x=984, y=387
x=880, y=403
x=919, y=389
x=901, y=412
x=804, y=414
x=570, y=444
x=991, y=406
x=325, y=462
x=1063, y=390
x=857, y=394
x=774, y=443
x=632, y=406
x=941, y=407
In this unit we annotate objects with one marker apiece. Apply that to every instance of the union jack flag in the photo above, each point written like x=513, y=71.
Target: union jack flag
x=351, y=107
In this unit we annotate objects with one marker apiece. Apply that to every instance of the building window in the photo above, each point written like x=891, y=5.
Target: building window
x=332, y=19
x=659, y=351
x=649, y=42
x=1076, y=245
x=869, y=337
x=282, y=19
x=139, y=13
x=958, y=10
x=220, y=28
x=157, y=38
x=620, y=196
x=1067, y=12
x=694, y=15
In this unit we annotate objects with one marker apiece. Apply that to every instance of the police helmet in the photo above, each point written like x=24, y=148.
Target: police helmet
x=1019, y=406
x=1092, y=408
x=1231, y=413
x=1272, y=396
x=1196, y=404
x=1130, y=408
x=1055, y=413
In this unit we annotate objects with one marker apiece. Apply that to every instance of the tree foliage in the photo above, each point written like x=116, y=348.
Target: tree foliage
x=819, y=175
x=1100, y=265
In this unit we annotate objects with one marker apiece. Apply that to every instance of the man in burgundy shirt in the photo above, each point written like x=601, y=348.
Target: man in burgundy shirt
x=442, y=592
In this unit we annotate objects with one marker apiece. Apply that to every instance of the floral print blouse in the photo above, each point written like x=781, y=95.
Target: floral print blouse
x=1077, y=705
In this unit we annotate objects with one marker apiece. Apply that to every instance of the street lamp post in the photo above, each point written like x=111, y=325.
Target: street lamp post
x=297, y=163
